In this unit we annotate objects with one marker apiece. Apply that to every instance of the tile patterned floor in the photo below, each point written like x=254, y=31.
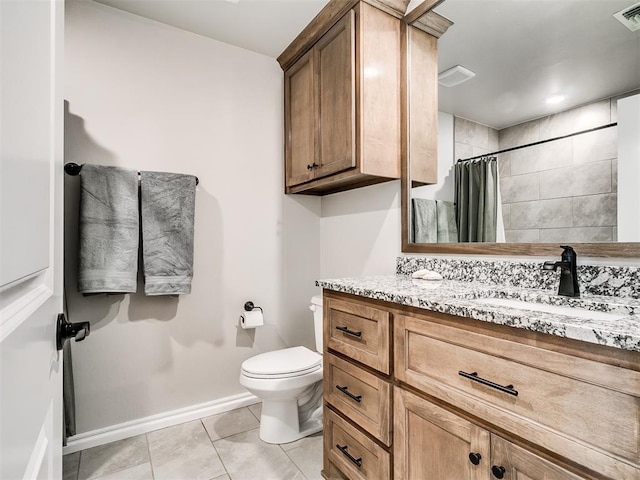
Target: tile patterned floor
x=220, y=447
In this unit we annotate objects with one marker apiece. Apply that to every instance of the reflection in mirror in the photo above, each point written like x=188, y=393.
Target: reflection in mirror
x=563, y=173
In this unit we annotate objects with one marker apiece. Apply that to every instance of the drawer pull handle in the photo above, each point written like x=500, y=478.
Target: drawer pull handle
x=349, y=332
x=475, y=458
x=345, y=390
x=498, y=471
x=356, y=461
x=474, y=376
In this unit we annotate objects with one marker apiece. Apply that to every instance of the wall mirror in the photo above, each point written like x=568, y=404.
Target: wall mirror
x=548, y=80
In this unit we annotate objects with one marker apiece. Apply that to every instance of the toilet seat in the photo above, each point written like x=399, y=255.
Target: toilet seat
x=285, y=363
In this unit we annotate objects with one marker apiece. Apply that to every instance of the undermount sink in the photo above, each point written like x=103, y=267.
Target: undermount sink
x=556, y=309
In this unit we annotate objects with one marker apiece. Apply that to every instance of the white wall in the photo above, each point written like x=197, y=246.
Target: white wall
x=143, y=95
x=628, y=168
x=361, y=228
x=360, y=231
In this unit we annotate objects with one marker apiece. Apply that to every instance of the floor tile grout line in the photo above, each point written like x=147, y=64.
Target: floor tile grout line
x=146, y=439
x=215, y=449
x=78, y=467
x=292, y=460
x=257, y=417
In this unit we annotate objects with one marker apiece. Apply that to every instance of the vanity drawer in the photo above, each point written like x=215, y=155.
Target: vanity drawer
x=356, y=455
x=544, y=396
x=360, y=396
x=358, y=331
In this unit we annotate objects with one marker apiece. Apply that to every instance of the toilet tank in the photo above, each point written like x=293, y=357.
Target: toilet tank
x=316, y=308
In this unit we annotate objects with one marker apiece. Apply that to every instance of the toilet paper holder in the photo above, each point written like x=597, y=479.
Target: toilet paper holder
x=249, y=306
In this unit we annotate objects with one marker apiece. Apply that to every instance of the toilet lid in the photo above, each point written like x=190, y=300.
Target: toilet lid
x=289, y=362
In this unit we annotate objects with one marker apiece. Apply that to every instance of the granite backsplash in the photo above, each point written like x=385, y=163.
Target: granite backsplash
x=593, y=280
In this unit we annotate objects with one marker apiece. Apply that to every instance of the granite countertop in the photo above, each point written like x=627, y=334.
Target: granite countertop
x=461, y=298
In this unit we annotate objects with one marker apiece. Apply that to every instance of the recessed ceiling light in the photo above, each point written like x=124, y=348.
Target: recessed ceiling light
x=455, y=76
x=555, y=99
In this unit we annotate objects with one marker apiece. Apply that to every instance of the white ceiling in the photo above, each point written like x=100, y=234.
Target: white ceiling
x=262, y=26
x=522, y=51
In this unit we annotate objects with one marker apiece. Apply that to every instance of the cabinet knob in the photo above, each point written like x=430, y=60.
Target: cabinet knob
x=498, y=471
x=475, y=458
x=312, y=166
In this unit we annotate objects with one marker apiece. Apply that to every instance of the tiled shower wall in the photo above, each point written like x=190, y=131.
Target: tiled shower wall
x=473, y=139
x=564, y=190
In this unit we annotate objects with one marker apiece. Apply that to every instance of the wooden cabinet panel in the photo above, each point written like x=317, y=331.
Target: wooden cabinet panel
x=519, y=464
x=360, y=396
x=357, y=456
x=335, y=74
x=300, y=116
x=356, y=106
x=331, y=472
x=433, y=443
x=430, y=355
x=358, y=331
x=379, y=79
x=422, y=106
x=575, y=415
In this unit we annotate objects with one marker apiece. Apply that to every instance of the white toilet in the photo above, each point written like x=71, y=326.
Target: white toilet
x=289, y=382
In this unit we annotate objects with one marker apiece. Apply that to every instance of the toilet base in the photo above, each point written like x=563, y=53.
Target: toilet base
x=279, y=422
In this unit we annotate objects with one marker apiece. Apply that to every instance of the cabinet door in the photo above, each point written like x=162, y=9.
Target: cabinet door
x=335, y=75
x=433, y=443
x=300, y=121
x=510, y=462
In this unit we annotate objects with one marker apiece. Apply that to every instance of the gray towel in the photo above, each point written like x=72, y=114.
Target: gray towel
x=167, y=207
x=424, y=221
x=447, y=228
x=109, y=230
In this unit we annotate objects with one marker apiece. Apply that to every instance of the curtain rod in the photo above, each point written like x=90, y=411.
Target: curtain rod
x=538, y=143
x=73, y=169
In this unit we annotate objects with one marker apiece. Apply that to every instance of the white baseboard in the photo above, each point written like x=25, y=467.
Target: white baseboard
x=132, y=428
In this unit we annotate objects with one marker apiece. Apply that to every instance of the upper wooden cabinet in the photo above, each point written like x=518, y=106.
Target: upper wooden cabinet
x=343, y=101
x=300, y=119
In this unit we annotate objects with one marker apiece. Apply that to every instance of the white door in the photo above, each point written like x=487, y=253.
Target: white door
x=31, y=169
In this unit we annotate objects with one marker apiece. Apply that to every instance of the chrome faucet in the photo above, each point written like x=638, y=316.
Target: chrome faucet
x=568, y=272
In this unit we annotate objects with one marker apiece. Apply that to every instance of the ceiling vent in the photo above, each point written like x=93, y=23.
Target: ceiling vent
x=630, y=17
x=455, y=76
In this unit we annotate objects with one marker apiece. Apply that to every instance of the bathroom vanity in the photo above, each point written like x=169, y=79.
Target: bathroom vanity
x=467, y=380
